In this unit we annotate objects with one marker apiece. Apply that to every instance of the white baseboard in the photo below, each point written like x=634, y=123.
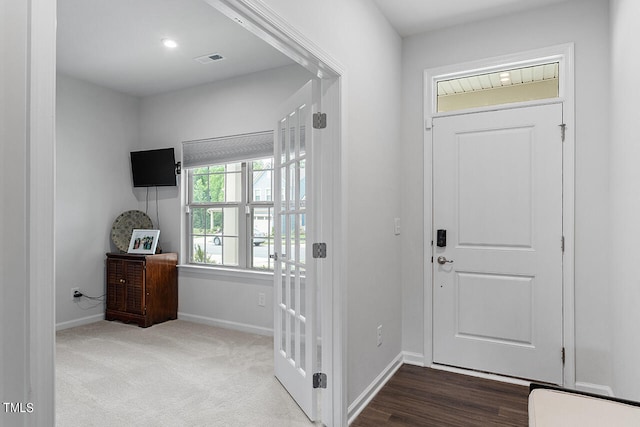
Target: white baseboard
x=227, y=324
x=415, y=359
x=370, y=392
x=79, y=322
x=595, y=389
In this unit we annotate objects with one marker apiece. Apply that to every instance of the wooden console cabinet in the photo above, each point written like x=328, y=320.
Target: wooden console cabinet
x=142, y=289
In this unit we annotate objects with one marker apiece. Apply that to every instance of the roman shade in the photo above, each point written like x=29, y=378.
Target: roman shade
x=227, y=149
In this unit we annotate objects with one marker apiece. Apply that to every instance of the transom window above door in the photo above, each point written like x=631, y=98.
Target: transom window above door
x=499, y=87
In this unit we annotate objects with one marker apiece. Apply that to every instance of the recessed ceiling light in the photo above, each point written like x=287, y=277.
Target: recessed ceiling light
x=171, y=44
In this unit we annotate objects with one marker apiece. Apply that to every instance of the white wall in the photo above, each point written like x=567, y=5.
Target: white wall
x=357, y=35
x=96, y=130
x=230, y=107
x=625, y=200
x=586, y=24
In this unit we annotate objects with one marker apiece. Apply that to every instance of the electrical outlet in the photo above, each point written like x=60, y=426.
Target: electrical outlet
x=73, y=291
x=262, y=299
x=379, y=335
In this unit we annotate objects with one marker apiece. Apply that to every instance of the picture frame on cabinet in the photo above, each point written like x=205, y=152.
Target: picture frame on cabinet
x=143, y=242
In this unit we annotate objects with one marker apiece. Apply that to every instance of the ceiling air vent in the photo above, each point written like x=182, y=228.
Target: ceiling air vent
x=206, y=59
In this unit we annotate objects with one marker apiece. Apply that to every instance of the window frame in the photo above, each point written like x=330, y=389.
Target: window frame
x=245, y=211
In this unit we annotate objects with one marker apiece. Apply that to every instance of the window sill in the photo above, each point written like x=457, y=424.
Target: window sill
x=228, y=274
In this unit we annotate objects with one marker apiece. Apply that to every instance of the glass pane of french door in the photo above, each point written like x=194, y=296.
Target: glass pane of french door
x=291, y=216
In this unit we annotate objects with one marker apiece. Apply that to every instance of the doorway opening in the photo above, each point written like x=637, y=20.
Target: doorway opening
x=263, y=22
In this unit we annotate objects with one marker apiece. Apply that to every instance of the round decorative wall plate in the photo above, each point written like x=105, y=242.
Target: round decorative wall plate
x=124, y=225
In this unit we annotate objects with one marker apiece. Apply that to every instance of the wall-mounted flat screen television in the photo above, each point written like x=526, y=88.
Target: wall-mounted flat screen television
x=153, y=168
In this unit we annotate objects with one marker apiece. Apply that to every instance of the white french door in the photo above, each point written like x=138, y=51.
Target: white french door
x=497, y=274
x=295, y=351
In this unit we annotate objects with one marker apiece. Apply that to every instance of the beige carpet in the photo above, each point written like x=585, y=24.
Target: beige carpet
x=174, y=374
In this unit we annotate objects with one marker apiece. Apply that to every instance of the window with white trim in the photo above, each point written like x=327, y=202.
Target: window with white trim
x=228, y=223
x=509, y=85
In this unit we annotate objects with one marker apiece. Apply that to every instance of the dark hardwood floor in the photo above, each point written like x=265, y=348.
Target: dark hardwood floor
x=428, y=397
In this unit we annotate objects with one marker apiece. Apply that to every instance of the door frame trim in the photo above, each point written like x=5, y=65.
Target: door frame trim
x=33, y=95
x=565, y=54
x=331, y=211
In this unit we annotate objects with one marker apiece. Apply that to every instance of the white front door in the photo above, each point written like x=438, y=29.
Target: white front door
x=295, y=351
x=497, y=280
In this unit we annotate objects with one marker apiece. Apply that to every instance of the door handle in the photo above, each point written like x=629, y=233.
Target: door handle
x=443, y=260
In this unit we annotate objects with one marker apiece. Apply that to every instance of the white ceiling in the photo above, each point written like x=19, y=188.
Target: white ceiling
x=410, y=17
x=117, y=43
